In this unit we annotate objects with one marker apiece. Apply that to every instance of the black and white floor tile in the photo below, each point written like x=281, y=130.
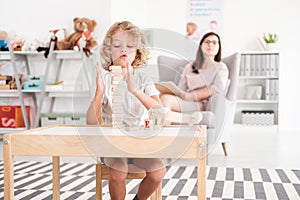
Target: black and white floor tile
x=33, y=180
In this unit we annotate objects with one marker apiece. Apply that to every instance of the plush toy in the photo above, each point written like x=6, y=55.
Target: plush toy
x=30, y=45
x=17, y=43
x=53, y=39
x=3, y=43
x=81, y=38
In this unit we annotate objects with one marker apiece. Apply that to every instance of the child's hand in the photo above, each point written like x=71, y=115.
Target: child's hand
x=100, y=88
x=129, y=78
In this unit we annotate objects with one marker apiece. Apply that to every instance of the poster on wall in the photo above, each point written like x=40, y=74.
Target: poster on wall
x=203, y=16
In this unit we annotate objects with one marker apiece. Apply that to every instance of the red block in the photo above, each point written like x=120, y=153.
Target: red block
x=12, y=117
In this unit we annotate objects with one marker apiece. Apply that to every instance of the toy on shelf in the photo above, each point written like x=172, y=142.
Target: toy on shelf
x=17, y=43
x=3, y=42
x=53, y=39
x=81, y=38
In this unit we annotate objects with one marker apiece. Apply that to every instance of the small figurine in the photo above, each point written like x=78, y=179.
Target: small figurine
x=3, y=43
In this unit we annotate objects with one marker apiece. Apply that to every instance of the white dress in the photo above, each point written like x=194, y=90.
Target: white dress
x=134, y=112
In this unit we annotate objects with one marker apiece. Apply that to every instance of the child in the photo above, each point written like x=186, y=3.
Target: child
x=125, y=45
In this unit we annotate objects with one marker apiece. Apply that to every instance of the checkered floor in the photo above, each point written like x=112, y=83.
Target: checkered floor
x=33, y=181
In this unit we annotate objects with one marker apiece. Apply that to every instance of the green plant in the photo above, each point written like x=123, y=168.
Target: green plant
x=270, y=38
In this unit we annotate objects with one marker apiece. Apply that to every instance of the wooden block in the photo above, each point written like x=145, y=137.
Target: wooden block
x=164, y=115
x=6, y=77
x=115, y=67
x=4, y=87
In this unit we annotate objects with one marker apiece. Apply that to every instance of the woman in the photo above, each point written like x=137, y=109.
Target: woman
x=206, y=76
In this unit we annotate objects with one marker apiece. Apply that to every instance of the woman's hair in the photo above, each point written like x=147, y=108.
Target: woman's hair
x=197, y=64
x=140, y=39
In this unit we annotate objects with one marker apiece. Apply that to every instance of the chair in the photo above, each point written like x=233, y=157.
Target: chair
x=220, y=111
x=134, y=173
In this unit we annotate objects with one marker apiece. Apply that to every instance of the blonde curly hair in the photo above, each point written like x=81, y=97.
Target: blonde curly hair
x=142, y=52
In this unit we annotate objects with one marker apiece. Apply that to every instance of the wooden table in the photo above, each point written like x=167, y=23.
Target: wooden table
x=68, y=140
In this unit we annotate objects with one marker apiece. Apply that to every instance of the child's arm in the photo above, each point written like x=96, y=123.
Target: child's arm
x=93, y=114
x=146, y=100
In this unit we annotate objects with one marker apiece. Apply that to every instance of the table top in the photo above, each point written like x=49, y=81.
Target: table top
x=110, y=131
x=72, y=140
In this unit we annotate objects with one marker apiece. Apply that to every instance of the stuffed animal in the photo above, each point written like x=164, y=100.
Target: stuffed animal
x=53, y=39
x=17, y=43
x=30, y=45
x=3, y=43
x=81, y=38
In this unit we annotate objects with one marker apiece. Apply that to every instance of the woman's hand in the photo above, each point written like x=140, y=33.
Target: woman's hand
x=100, y=87
x=188, y=96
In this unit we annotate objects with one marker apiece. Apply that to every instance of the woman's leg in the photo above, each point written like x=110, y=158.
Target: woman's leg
x=117, y=169
x=170, y=101
x=155, y=172
x=177, y=104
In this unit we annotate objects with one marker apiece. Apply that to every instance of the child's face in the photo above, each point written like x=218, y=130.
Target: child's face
x=123, y=49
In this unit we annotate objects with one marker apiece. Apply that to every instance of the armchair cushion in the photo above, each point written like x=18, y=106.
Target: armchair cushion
x=170, y=69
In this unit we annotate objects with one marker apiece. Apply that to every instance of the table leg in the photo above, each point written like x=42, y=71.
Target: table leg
x=98, y=182
x=201, y=170
x=56, y=177
x=8, y=169
x=201, y=176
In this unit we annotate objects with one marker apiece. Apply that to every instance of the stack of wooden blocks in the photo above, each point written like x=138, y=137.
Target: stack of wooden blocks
x=117, y=108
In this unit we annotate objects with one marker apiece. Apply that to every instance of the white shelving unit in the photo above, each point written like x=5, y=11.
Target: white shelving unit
x=39, y=96
x=258, y=84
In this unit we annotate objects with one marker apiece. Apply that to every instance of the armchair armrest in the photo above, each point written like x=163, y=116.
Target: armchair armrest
x=224, y=111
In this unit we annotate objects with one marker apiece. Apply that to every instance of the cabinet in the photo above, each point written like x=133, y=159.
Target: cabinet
x=51, y=69
x=258, y=89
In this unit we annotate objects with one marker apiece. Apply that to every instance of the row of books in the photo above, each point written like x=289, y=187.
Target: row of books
x=259, y=64
x=271, y=89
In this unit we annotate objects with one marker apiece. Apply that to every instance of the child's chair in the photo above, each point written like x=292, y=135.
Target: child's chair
x=134, y=173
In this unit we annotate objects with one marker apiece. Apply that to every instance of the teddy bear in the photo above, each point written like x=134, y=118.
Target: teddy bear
x=3, y=42
x=82, y=37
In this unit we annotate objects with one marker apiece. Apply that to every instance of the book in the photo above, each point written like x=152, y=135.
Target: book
x=169, y=87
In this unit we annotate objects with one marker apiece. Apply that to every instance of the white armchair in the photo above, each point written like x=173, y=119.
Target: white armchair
x=220, y=111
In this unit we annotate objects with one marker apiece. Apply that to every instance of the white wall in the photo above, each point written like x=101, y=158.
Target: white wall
x=243, y=21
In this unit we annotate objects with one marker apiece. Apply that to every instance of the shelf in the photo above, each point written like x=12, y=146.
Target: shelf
x=257, y=77
x=42, y=93
x=4, y=56
x=64, y=93
x=60, y=54
x=14, y=93
x=257, y=101
x=11, y=130
x=259, y=52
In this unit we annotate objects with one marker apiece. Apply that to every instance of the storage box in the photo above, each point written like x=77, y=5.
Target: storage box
x=62, y=118
x=33, y=78
x=12, y=117
x=258, y=117
x=75, y=119
x=36, y=85
x=52, y=118
x=69, y=85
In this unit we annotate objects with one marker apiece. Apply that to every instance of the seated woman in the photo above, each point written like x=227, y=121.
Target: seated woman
x=206, y=76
